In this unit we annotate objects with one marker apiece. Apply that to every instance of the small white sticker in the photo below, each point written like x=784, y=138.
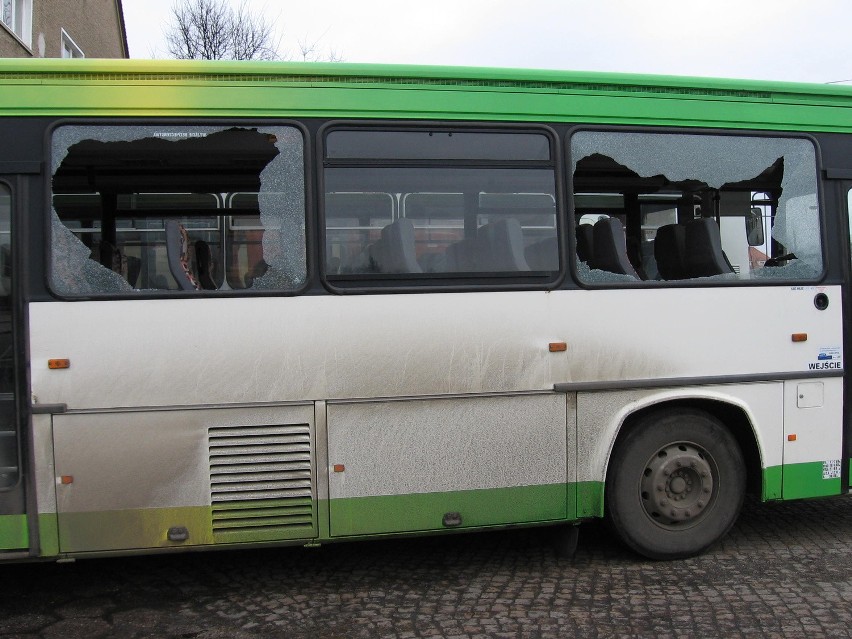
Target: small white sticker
x=831, y=469
x=829, y=353
x=828, y=358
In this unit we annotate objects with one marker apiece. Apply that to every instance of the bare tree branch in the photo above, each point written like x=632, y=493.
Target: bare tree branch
x=309, y=52
x=213, y=30
x=252, y=37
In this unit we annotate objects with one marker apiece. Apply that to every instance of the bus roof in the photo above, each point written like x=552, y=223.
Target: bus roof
x=145, y=88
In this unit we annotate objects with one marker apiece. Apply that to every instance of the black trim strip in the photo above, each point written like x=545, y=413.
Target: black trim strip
x=18, y=167
x=49, y=409
x=675, y=382
x=838, y=174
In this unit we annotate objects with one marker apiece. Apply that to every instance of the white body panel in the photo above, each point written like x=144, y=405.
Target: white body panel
x=601, y=414
x=812, y=412
x=187, y=352
x=474, y=372
x=439, y=445
x=155, y=459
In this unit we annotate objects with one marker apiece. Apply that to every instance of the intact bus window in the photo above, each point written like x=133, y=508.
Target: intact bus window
x=674, y=207
x=164, y=208
x=436, y=145
x=425, y=205
x=445, y=221
x=354, y=220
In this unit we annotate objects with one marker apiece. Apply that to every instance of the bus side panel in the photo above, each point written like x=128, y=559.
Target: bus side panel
x=813, y=437
x=14, y=532
x=171, y=352
x=174, y=478
x=45, y=485
x=432, y=464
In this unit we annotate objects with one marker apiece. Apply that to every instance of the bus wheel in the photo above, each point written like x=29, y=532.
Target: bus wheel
x=675, y=484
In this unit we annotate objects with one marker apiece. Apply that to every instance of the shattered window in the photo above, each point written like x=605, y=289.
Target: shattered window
x=177, y=208
x=668, y=207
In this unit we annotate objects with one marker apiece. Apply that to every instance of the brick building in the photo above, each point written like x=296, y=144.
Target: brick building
x=62, y=29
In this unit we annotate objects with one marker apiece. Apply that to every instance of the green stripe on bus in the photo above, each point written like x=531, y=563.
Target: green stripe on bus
x=773, y=478
x=590, y=499
x=48, y=535
x=809, y=480
x=364, y=516
x=14, y=532
x=427, y=511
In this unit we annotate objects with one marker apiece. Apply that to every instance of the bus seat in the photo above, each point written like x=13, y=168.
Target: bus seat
x=206, y=265
x=585, y=242
x=360, y=262
x=113, y=259
x=501, y=247
x=134, y=268
x=395, y=252
x=704, y=256
x=670, y=252
x=259, y=269
x=332, y=265
x=433, y=262
x=543, y=255
x=109, y=256
x=460, y=257
x=177, y=248
x=610, y=247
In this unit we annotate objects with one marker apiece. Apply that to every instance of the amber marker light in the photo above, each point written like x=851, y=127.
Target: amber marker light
x=791, y=438
x=558, y=347
x=66, y=479
x=339, y=468
x=55, y=364
x=799, y=337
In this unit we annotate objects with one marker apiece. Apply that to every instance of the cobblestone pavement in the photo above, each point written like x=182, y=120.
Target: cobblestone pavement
x=784, y=571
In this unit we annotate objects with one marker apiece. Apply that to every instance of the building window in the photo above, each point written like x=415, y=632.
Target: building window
x=70, y=48
x=17, y=15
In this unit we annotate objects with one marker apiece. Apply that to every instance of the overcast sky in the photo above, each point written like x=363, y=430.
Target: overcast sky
x=796, y=40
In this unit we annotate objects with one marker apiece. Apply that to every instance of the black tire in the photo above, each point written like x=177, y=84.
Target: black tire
x=675, y=484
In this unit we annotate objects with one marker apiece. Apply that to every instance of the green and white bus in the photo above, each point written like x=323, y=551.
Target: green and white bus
x=253, y=304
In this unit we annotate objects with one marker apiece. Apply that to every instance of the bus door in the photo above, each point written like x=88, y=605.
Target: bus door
x=14, y=534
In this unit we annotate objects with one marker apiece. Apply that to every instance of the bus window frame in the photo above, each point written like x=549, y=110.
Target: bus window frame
x=437, y=282
x=702, y=282
x=11, y=183
x=224, y=123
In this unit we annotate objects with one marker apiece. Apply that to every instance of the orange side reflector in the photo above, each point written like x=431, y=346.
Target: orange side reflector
x=339, y=468
x=799, y=337
x=54, y=364
x=791, y=438
x=66, y=479
x=558, y=347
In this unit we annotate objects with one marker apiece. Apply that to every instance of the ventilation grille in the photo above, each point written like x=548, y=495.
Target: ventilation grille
x=474, y=83
x=261, y=483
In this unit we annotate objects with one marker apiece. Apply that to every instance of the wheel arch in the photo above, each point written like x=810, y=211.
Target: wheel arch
x=733, y=415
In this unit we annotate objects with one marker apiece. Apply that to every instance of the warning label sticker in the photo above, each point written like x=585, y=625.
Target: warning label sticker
x=831, y=469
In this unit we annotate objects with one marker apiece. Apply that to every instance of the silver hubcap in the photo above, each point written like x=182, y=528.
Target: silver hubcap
x=677, y=485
